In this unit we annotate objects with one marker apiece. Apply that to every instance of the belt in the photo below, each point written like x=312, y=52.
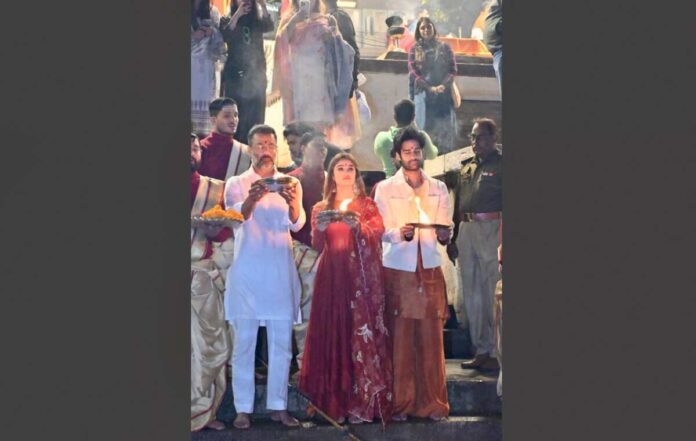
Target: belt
x=478, y=217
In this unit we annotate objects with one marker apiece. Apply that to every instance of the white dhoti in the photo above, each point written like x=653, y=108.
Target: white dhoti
x=210, y=343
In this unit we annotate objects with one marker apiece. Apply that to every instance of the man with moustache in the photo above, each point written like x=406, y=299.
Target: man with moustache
x=404, y=115
x=293, y=134
x=223, y=156
x=210, y=341
x=477, y=216
x=414, y=283
x=266, y=288
x=311, y=175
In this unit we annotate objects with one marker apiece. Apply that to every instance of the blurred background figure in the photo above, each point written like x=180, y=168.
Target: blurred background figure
x=493, y=38
x=207, y=50
x=244, y=75
x=432, y=68
x=313, y=73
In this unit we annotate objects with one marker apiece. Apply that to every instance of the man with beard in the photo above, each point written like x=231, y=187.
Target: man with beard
x=414, y=282
x=293, y=134
x=266, y=289
x=210, y=341
x=477, y=215
x=404, y=115
x=311, y=175
x=223, y=156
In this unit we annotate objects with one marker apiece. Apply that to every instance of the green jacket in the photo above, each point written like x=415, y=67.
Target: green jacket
x=384, y=141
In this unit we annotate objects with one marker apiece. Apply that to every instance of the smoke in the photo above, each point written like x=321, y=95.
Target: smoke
x=449, y=16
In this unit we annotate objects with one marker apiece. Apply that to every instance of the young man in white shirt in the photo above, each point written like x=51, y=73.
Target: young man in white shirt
x=414, y=282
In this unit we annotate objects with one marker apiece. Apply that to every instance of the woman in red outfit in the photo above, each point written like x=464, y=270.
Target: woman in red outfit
x=347, y=369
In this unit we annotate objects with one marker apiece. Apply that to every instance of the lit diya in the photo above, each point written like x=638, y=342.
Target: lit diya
x=423, y=219
x=338, y=215
x=217, y=216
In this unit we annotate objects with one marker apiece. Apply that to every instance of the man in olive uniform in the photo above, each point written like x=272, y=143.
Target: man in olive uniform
x=477, y=217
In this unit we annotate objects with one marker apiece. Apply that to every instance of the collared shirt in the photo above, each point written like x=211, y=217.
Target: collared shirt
x=262, y=282
x=223, y=157
x=479, y=185
x=395, y=199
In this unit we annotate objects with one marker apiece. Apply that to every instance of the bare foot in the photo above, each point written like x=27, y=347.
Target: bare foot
x=285, y=418
x=216, y=425
x=242, y=421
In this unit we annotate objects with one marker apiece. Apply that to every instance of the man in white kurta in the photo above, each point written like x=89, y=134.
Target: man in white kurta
x=263, y=286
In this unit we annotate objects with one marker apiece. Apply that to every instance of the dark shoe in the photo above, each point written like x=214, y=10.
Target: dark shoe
x=476, y=362
x=490, y=364
x=242, y=421
x=282, y=416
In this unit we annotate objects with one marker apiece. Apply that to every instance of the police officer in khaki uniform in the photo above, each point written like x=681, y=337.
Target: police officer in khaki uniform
x=477, y=217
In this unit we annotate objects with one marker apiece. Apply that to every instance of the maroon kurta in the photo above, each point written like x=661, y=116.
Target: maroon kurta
x=347, y=368
x=215, y=156
x=312, y=182
x=224, y=234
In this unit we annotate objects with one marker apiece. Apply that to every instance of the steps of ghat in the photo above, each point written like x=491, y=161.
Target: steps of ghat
x=459, y=428
x=471, y=394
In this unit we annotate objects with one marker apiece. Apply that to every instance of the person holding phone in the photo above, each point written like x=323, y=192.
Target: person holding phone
x=244, y=74
x=207, y=50
x=313, y=73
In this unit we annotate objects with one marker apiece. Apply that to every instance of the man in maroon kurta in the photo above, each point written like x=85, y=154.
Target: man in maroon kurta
x=311, y=175
x=223, y=156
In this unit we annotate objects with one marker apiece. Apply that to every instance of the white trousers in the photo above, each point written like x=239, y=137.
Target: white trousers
x=279, y=334
x=478, y=265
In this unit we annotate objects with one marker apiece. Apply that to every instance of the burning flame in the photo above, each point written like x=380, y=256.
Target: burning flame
x=344, y=205
x=422, y=217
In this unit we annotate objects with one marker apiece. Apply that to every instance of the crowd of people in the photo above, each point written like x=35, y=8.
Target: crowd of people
x=347, y=282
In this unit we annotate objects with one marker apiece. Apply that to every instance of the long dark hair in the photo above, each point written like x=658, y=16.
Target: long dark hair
x=418, y=25
x=202, y=12
x=330, y=184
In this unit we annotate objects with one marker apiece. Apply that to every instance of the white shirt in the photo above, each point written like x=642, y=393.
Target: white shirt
x=262, y=282
x=396, y=203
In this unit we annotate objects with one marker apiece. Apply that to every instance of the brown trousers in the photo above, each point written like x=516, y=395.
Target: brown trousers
x=420, y=386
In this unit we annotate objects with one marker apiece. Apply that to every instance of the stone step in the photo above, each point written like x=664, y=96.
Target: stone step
x=457, y=343
x=454, y=428
x=470, y=393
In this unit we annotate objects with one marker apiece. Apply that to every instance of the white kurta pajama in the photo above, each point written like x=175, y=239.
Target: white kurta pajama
x=263, y=289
